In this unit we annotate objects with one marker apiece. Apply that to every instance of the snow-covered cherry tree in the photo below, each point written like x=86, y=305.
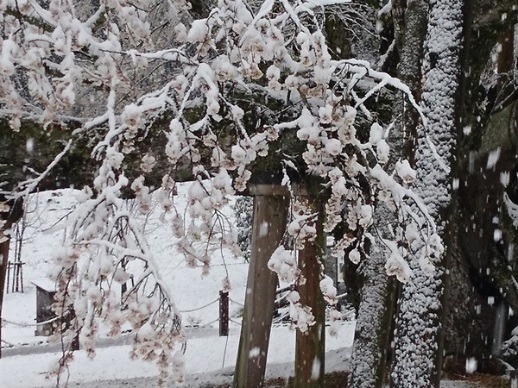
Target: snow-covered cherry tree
x=251, y=89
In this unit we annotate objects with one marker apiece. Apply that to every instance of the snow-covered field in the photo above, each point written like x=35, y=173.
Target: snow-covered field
x=209, y=358
x=205, y=354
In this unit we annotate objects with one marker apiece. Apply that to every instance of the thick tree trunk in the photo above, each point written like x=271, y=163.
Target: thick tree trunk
x=372, y=335
x=418, y=351
x=378, y=293
x=480, y=268
x=269, y=222
x=310, y=346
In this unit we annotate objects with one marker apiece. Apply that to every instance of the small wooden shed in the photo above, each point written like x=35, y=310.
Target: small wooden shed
x=45, y=292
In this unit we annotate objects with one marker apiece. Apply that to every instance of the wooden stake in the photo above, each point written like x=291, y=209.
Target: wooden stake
x=4, y=259
x=223, y=314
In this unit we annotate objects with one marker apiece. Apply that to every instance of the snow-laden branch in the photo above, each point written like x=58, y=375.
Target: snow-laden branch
x=30, y=185
x=385, y=79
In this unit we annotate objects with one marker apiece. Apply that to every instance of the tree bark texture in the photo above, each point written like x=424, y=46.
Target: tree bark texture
x=310, y=346
x=418, y=350
x=373, y=324
x=378, y=292
x=4, y=259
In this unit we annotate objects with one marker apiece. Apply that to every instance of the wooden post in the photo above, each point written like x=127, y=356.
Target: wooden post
x=223, y=314
x=7, y=282
x=4, y=259
x=14, y=213
x=16, y=274
x=21, y=276
x=310, y=346
x=74, y=345
x=269, y=221
x=16, y=279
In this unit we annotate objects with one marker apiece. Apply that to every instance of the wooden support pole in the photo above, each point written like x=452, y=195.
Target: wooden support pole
x=4, y=259
x=310, y=346
x=269, y=221
x=16, y=274
x=223, y=314
x=74, y=345
x=7, y=282
x=13, y=215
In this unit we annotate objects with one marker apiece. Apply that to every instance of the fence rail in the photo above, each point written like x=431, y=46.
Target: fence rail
x=223, y=318
x=35, y=324
x=200, y=308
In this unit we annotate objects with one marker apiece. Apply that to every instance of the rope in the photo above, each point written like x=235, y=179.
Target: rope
x=199, y=308
x=200, y=326
x=8, y=343
x=236, y=322
x=280, y=319
x=210, y=323
x=238, y=303
x=23, y=324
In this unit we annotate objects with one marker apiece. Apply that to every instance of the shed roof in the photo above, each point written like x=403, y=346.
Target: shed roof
x=45, y=284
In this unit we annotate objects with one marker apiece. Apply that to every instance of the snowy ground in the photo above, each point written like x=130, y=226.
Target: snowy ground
x=209, y=358
x=203, y=355
x=189, y=288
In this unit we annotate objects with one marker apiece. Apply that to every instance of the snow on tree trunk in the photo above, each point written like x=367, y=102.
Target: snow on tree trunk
x=418, y=351
x=269, y=221
x=371, y=338
x=373, y=325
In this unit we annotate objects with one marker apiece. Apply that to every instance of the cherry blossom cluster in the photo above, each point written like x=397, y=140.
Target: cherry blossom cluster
x=107, y=249
x=54, y=56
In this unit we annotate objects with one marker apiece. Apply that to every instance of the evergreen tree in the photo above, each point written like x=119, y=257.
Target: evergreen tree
x=243, y=210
